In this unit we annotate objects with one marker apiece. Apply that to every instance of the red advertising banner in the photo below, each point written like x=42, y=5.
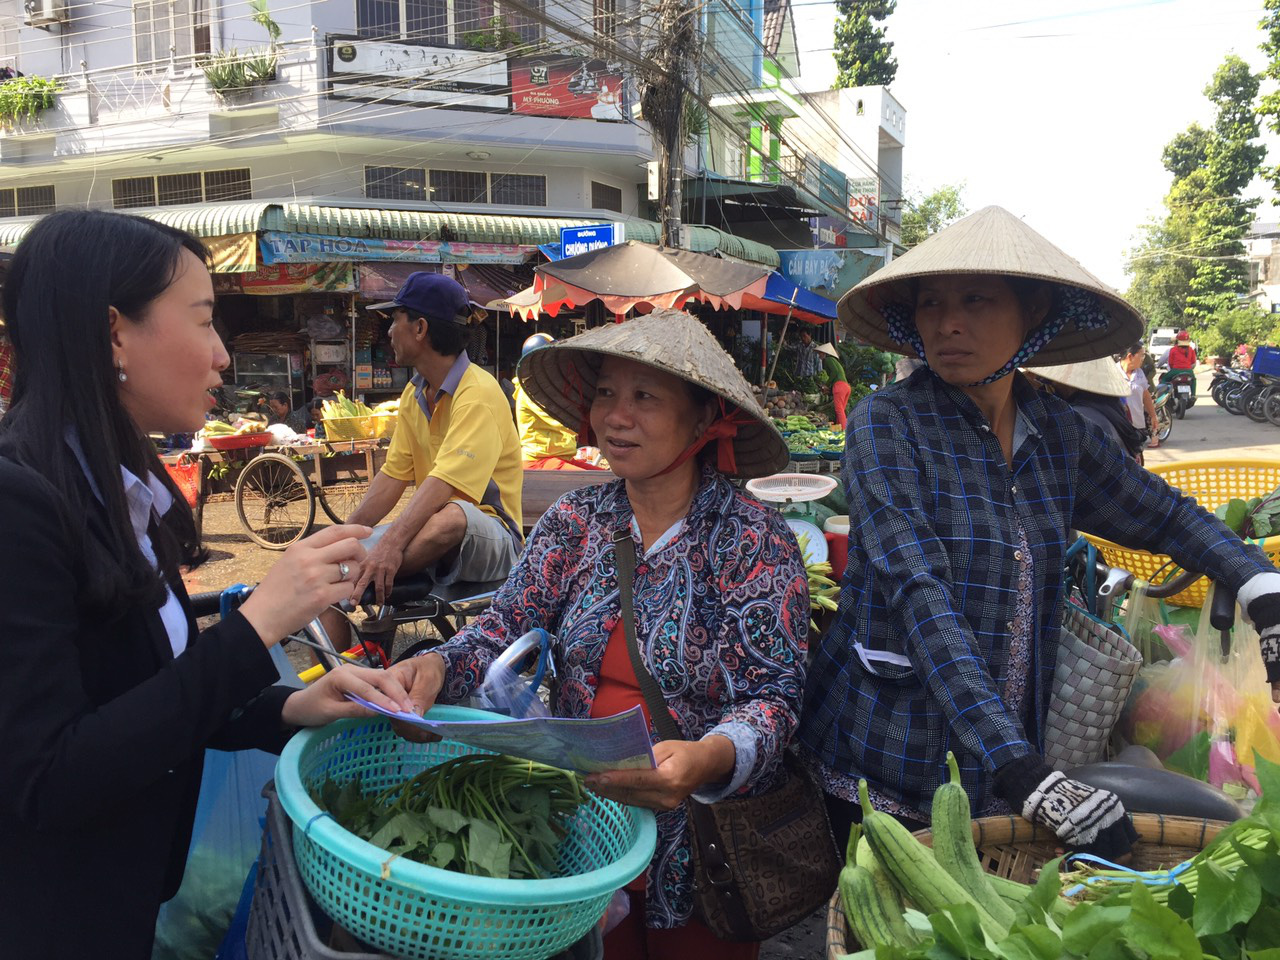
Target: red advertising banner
x=566, y=87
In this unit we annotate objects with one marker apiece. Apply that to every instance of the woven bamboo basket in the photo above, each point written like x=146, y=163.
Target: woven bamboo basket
x=1212, y=483
x=1013, y=848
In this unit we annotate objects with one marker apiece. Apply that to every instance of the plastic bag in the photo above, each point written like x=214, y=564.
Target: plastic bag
x=506, y=691
x=224, y=844
x=1204, y=714
x=186, y=477
x=226, y=838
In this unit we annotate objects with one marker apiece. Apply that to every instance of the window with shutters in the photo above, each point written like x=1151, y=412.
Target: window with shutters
x=605, y=197
x=604, y=17
x=164, y=28
x=458, y=186
x=26, y=201
x=443, y=22
x=395, y=183
x=133, y=192
x=519, y=189
x=209, y=186
x=224, y=186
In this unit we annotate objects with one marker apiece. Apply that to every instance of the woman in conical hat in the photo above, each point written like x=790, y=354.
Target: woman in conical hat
x=1094, y=389
x=721, y=597
x=962, y=481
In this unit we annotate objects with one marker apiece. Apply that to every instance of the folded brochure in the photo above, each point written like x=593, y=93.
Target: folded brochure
x=620, y=742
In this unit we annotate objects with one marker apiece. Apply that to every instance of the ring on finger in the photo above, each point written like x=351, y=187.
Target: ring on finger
x=344, y=571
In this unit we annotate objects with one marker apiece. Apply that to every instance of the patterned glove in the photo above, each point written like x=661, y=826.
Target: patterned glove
x=1082, y=816
x=1259, y=600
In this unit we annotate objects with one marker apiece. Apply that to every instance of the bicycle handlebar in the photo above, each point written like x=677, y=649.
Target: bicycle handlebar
x=206, y=604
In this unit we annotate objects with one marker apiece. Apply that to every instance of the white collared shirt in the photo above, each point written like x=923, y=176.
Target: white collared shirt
x=142, y=499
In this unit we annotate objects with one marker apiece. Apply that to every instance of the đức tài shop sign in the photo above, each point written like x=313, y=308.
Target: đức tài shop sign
x=314, y=248
x=590, y=89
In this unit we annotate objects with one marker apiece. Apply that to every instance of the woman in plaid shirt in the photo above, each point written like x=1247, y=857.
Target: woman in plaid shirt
x=962, y=483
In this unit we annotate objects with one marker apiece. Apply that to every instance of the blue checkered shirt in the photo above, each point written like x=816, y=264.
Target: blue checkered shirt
x=918, y=656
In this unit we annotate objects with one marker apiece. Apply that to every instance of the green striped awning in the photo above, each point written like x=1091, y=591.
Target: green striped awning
x=203, y=220
x=225, y=219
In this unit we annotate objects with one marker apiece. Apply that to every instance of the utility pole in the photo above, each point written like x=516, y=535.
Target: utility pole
x=662, y=97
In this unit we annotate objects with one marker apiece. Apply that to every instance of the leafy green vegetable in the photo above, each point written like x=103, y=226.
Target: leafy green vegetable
x=483, y=815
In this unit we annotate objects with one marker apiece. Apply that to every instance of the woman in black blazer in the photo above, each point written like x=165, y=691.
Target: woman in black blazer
x=108, y=696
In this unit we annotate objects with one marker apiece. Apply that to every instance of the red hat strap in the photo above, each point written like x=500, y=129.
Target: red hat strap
x=723, y=430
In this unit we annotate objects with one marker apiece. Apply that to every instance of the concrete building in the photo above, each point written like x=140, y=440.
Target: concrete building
x=451, y=106
x=1262, y=245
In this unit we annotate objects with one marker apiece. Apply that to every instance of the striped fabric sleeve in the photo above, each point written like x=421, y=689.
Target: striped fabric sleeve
x=904, y=551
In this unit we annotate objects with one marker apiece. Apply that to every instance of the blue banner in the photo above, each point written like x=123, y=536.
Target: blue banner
x=830, y=273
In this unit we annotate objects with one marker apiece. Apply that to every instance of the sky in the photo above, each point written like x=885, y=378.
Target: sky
x=1057, y=110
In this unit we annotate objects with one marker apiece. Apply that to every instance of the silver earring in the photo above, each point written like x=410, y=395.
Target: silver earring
x=121, y=374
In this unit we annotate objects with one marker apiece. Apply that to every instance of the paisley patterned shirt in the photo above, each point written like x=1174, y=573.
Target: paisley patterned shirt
x=722, y=617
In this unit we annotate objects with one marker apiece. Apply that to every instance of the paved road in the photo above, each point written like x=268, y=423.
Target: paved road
x=1209, y=431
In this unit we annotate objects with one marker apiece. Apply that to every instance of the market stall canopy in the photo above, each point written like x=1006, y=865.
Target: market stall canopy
x=782, y=297
x=627, y=274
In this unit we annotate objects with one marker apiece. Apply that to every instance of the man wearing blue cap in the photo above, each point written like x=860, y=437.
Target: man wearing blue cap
x=455, y=441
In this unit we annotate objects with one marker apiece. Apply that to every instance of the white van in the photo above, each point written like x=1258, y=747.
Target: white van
x=1161, y=343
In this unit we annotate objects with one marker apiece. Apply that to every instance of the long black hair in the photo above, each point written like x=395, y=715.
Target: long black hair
x=70, y=268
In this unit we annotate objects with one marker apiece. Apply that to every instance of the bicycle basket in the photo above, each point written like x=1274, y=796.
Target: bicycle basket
x=418, y=911
x=1212, y=483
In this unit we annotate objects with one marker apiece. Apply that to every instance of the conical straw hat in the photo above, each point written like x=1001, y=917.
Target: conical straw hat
x=1101, y=376
x=991, y=241
x=828, y=349
x=561, y=377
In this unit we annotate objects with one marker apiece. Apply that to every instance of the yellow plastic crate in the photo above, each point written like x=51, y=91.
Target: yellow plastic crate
x=1212, y=483
x=360, y=428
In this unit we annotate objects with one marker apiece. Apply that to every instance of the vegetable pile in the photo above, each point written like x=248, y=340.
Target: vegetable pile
x=488, y=816
x=904, y=901
x=340, y=407
x=1254, y=518
x=220, y=428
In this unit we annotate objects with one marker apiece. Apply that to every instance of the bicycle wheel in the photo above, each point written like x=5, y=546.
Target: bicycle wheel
x=339, y=500
x=274, y=501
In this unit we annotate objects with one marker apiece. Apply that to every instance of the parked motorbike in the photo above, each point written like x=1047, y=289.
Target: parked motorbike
x=1226, y=382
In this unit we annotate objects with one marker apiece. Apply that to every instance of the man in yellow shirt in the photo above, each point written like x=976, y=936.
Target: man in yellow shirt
x=455, y=441
x=545, y=442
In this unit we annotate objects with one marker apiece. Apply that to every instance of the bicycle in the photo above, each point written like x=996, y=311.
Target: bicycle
x=419, y=613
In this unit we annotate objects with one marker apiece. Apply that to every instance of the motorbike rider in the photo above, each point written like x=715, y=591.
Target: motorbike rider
x=1182, y=355
x=1181, y=360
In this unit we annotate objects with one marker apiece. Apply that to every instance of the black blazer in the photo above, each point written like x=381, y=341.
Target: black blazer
x=104, y=735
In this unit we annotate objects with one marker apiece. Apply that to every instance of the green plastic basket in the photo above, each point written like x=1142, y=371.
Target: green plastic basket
x=421, y=912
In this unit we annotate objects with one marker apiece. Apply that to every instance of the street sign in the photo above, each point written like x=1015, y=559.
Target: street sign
x=576, y=240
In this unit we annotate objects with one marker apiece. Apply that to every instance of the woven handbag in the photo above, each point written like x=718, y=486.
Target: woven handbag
x=761, y=863
x=1095, y=670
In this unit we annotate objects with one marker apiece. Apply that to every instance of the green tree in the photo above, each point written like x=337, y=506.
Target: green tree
x=863, y=56
x=1221, y=216
x=925, y=215
x=1269, y=106
x=1187, y=152
x=1188, y=268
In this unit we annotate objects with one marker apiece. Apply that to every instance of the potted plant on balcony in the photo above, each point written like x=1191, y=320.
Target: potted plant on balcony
x=25, y=98
x=498, y=36
x=233, y=75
